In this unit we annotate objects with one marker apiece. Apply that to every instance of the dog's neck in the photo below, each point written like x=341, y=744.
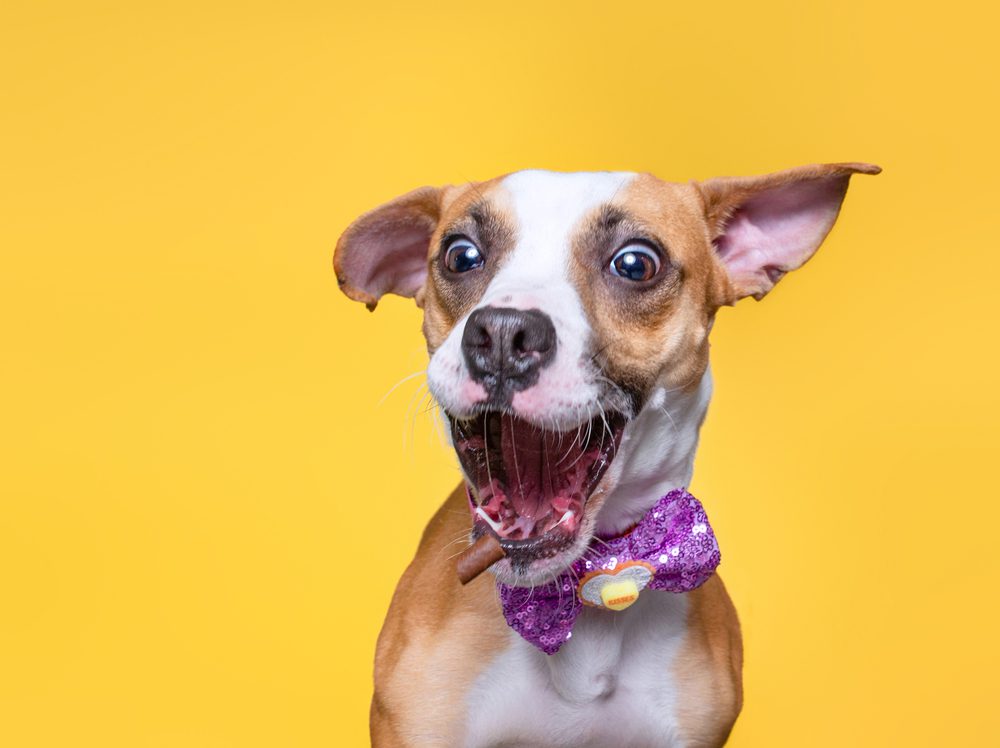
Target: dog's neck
x=656, y=454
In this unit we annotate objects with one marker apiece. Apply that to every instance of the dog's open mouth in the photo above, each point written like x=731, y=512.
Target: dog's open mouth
x=530, y=485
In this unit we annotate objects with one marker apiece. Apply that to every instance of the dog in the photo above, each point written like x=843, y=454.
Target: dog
x=567, y=318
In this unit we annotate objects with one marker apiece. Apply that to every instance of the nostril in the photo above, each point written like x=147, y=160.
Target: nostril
x=533, y=339
x=478, y=337
x=517, y=343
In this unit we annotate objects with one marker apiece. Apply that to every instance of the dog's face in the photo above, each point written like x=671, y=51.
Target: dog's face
x=556, y=304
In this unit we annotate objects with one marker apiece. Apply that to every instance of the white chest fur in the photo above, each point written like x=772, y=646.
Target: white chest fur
x=611, y=684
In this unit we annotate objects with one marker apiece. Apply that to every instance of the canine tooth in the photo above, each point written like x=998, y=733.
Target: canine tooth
x=566, y=517
x=487, y=519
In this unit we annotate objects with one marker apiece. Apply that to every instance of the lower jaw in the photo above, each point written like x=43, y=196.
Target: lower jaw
x=533, y=572
x=521, y=556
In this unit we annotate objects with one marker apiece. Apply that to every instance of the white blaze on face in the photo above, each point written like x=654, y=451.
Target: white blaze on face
x=547, y=208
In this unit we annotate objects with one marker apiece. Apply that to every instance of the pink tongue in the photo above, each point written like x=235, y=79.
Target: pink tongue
x=533, y=481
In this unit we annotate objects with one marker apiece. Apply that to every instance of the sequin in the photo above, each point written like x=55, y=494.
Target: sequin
x=675, y=525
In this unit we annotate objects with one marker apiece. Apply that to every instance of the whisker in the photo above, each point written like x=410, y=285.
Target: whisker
x=446, y=546
x=517, y=469
x=411, y=415
x=486, y=451
x=398, y=384
x=673, y=423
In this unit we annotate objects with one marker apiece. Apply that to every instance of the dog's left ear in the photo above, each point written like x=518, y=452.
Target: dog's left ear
x=385, y=250
x=762, y=227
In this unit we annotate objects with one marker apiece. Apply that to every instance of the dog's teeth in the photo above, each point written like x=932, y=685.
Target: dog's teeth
x=488, y=520
x=566, y=517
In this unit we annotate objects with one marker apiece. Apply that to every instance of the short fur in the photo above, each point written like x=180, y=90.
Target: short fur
x=666, y=671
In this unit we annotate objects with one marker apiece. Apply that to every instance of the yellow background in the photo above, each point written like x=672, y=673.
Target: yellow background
x=203, y=506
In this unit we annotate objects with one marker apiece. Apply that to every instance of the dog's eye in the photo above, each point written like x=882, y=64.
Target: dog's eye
x=635, y=262
x=461, y=255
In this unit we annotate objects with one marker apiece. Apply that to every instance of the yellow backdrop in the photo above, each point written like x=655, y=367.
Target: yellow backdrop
x=205, y=501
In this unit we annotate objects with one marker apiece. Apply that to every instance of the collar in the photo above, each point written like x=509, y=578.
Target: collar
x=671, y=548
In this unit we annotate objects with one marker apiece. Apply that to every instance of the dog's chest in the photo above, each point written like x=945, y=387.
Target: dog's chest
x=611, y=684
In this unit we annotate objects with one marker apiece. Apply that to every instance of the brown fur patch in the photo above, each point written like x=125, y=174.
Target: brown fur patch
x=479, y=211
x=650, y=332
x=708, y=669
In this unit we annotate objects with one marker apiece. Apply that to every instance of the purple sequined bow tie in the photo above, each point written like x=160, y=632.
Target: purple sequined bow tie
x=672, y=548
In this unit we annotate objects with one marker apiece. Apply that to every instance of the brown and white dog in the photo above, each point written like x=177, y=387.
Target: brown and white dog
x=579, y=305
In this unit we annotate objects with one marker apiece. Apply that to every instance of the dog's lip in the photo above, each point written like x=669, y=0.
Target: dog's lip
x=486, y=407
x=525, y=551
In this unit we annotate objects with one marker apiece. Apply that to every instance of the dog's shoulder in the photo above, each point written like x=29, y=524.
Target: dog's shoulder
x=436, y=637
x=709, y=667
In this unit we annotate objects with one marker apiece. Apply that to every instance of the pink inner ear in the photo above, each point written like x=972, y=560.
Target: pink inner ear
x=777, y=230
x=390, y=259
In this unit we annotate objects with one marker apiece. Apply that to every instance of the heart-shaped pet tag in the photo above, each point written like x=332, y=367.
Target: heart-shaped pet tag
x=615, y=590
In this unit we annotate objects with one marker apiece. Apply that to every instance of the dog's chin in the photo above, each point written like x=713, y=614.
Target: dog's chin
x=519, y=572
x=534, y=488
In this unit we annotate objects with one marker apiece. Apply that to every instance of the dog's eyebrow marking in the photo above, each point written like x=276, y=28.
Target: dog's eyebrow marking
x=610, y=225
x=613, y=224
x=610, y=216
x=480, y=213
x=484, y=223
x=489, y=222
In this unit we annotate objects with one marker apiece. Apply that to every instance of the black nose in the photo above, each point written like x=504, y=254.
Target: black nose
x=505, y=349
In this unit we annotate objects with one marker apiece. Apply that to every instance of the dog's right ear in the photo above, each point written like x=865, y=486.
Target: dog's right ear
x=763, y=227
x=385, y=250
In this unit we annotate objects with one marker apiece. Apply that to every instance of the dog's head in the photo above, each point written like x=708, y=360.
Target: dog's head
x=560, y=307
